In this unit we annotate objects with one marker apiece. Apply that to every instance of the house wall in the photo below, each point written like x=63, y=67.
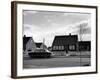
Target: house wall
x=84, y=48
x=30, y=45
x=72, y=47
x=43, y=46
x=60, y=53
x=84, y=53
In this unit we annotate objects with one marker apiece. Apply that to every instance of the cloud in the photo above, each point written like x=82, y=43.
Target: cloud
x=43, y=24
x=47, y=18
x=27, y=27
x=30, y=29
x=29, y=12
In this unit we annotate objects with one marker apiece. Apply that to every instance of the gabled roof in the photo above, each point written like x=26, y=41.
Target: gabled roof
x=26, y=39
x=38, y=45
x=65, y=39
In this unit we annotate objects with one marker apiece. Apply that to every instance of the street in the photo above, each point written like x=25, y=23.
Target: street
x=29, y=63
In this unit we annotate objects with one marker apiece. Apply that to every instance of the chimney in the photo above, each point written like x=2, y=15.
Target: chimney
x=24, y=35
x=69, y=34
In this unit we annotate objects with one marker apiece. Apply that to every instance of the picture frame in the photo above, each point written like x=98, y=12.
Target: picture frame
x=35, y=23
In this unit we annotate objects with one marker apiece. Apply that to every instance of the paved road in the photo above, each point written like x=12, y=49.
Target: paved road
x=54, y=62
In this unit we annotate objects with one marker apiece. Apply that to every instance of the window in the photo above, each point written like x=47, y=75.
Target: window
x=62, y=47
x=71, y=47
x=57, y=47
x=54, y=47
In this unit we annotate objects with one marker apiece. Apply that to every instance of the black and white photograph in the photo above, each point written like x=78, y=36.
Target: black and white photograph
x=53, y=39
x=56, y=39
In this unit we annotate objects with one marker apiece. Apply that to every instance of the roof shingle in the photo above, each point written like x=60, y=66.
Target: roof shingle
x=65, y=39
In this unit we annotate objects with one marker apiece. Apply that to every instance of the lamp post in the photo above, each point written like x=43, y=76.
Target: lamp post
x=43, y=42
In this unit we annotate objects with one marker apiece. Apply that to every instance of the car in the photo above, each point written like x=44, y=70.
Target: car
x=40, y=53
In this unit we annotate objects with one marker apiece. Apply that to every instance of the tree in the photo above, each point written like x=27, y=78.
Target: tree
x=82, y=30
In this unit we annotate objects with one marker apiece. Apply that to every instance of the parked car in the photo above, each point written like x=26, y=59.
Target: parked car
x=40, y=53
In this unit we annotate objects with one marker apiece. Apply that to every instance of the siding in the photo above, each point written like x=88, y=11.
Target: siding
x=30, y=45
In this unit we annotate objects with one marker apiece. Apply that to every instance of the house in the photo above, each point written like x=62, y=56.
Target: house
x=84, y=45
x=41, y=45
x=64, y=43
x=50, y=48
x=28, y=44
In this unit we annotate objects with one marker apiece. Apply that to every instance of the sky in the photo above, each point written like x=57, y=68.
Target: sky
x=47, y=24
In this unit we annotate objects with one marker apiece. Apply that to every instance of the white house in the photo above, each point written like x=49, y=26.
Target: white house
x=30, y=45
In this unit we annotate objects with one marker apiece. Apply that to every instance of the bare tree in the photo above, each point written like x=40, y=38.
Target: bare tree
x=82, y=30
